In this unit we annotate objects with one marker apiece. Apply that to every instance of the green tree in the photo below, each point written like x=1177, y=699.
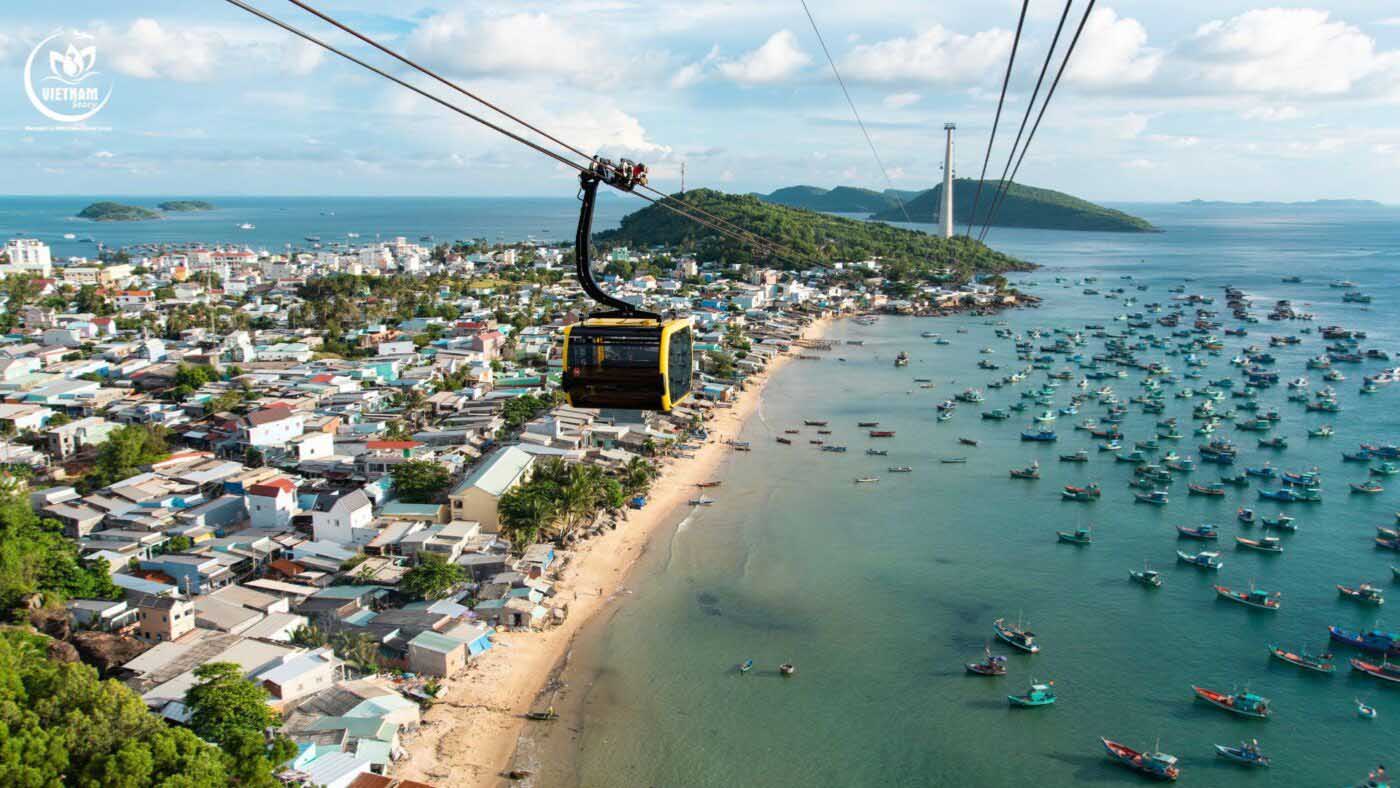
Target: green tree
x=178, y=544
x=525, y=512
x=432, y=578
x=232, y=712
x=35, y=557
x=420, y=481
x=125, y=451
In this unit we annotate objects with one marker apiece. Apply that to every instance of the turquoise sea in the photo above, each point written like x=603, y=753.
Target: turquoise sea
x=880, y=593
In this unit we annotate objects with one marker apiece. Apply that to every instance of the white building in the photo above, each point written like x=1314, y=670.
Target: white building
x=342, y=518
x=29, y=256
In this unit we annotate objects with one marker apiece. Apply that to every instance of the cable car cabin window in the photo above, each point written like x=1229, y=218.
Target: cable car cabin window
x=678, y=367
x=611, y=352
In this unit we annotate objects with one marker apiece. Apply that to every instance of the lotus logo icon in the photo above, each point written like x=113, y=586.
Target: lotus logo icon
x=74, y=89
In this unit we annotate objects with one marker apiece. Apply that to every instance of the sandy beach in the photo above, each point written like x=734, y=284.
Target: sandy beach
x=469, y=736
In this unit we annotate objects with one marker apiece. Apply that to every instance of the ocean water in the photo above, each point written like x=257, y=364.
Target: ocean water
x=282, y=221
x=880, y=593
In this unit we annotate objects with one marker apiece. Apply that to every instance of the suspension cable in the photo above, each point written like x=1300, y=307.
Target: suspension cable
x=1051, y=94
x=763, y=243
x=765, y=246
x=854, y=111
x=1002, y=185
x=1015, y=42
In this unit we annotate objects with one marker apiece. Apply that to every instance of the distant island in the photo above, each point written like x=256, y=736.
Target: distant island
x=108, y=211
x=173, y=206
x=814, y=238
x=1023, y=206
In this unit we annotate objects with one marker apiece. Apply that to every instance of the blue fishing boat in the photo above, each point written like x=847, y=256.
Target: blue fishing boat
x=1081, y=535
x=1203, y=559
x=1291, y=495
x=1156, y=497
x=1204, y=531
x=1263, y=472
x=1038, y=695
x=1043, y=436
x=1373, y=640
x=1016, y=636
x=1245, y=516
x=1247, y=754
x=746, y=666
x=1282, y=522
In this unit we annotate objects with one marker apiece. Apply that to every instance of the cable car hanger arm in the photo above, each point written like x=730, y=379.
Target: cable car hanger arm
x=623, y=177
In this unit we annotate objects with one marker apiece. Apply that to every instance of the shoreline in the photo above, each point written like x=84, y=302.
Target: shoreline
x=469, y=737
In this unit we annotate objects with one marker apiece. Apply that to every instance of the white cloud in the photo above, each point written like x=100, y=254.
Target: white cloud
x=1130, y=125
x=1297, y=51
x=300, y=57
x=778, y=59
x=937, y=55
x=103, y=154
x=693, y=73
x=1173, y=141
x=1113, y=51
x=1140, y=164
x=901, y=100
x=1393, y=21
x=1286, y=112
x=522, y=44
x=149, y=50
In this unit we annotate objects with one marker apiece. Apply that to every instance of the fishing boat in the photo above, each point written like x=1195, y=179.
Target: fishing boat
x=1247, y=754
x=1081, y=535
x=1253, y=597
x=837, y=449
x=1245, y=704
x=991, y=665
x=1088, y=493
x=1368, y=712
x=953, y=460
x=1367, y=487
x=707, y=485
x=1265, y=544
x=946, y=415
x=867, y=479
x=877, y=452
x=1385, y=469
x=1291, y=495
x=1262, y=472
x=1031, y=471
x=746, y=666
x=787, y=669
x=900, y=469
x=1321, y=432
x=882, y=433
x=1319, y=664
x=1365, y=592
x=1204, y=559
x=1384, y=671
x=1037, y=695
x=1015, y=636
x=901, y=359
x=1204, y=531
x=542, y=716
x=967, y=441
x=1276, y=442
x=1148, y=577
x=996, y=415
x=1245, y=516
x=1156, y=497
x=814, y=423
x=1157, y=765
x=1374, y=640
x=701, y=501
x=1238, y=480
x=867, y=424
x=1080, y=456
x=1041, y=436
x=1215, y=489
x=785, y=441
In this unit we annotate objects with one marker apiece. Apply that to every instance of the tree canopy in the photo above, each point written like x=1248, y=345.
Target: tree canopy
x=232, y=712
x=35, y=557
x=126, y=449
x=432, y=578
x=420, y=481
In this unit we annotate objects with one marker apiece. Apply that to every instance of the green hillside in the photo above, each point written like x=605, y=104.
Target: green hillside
x=842, y=199
x=1023, y=206
x=815, y=238
x=107, y=211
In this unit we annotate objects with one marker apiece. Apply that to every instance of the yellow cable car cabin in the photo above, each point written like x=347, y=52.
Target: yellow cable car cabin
x=623, y=362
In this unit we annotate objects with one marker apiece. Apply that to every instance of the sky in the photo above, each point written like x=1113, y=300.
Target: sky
x=1216, y=99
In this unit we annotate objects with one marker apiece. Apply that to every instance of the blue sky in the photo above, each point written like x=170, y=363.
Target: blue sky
x=1219, y=99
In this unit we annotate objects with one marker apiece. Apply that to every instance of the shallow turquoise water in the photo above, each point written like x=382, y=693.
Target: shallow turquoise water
x=880, y=593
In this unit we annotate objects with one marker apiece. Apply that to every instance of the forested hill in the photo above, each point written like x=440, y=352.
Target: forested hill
x=815, y=238
x=842, y=199
x=1023, y=206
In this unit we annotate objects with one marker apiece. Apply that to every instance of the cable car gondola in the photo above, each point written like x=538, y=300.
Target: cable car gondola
x=624, y=357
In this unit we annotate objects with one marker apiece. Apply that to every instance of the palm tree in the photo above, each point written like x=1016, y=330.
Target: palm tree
x=524, y=512
x=637, y=477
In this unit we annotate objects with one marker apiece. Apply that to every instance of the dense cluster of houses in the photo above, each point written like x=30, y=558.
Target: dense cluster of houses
x=272, y=535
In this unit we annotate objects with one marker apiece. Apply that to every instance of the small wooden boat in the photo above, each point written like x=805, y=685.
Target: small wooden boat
x=787, y=669
x=877, y=452
x=1319, y=664
x=792, y=432
x=1245, y=516
x=1077, y=536
x=1245, y=704
x=705, y=485
x=867, y=424
x=1016, y=636
x=542, y=716
x=1280, y=523
x=991, y=665
x=1367, y=487
x=1366, y=711
x=1238, y=480
x=1080, y=456
x=967, y=441
x=1251, y=598
x=867, y=479
x=785, y=441
x=1037, y=695
x=900, y=469
x=815, y=423
x=1031, y=471
x=746, y=666
x=701, y=501
x=882, y=433
x=823, y=432
x=1365, y=592
x=1204, y=559
x=1215, y=489
x=1267, y=544
x=1156, y=497
x=1386, y=671
x=1089, y=492
x=953, y=460
x=1247, y=754
x=1157, y=765
x=1148, y=577
x=1204, y=531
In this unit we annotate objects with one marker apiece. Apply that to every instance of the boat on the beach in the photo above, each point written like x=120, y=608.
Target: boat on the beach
x=1365, y=592
x=1204, y=559
x=1245, y=704
x=1016, y=636
x=542, y=716
x=1254, y=597
x=1039, y=694
x=1082, y=535
x=701, y=501
x=1157, y=765
x=1247, y=754
x=1321, y=663
x=705, y=485
x=786, y=441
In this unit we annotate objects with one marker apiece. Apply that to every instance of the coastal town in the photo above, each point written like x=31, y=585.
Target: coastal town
x=344, y=481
